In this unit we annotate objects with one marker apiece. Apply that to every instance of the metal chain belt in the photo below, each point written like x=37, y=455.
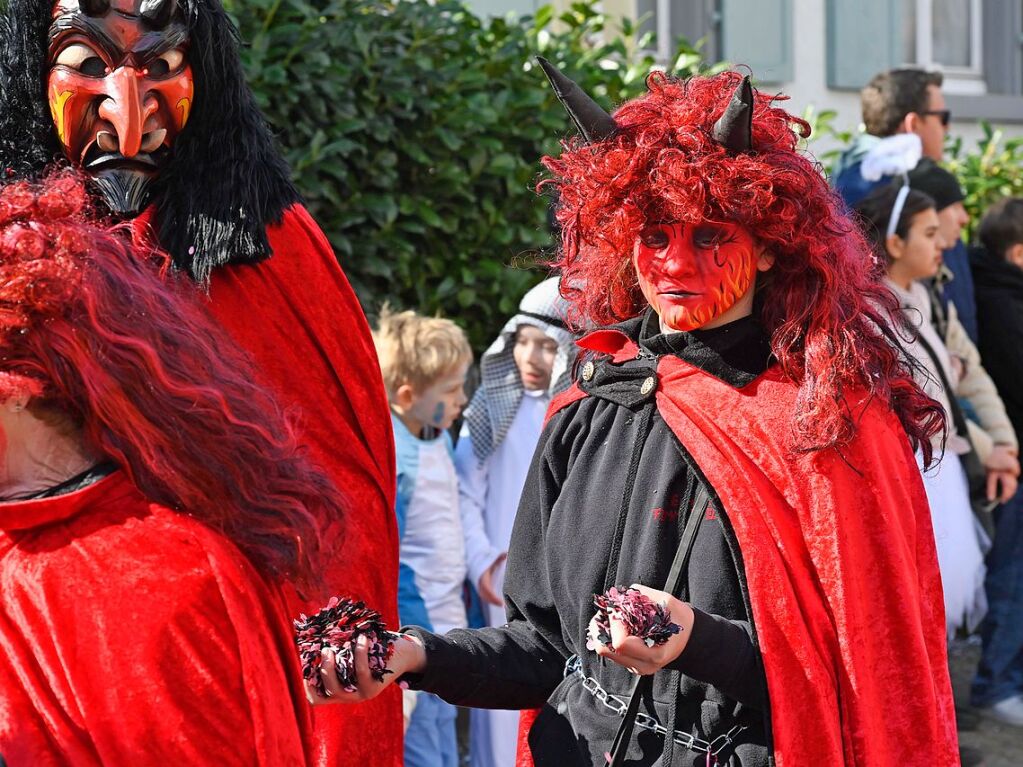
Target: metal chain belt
x=644, y=721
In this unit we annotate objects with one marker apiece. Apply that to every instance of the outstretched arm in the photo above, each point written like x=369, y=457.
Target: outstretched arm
x=514, y=666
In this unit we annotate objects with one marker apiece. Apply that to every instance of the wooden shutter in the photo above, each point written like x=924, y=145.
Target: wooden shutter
x=758, y=33
x=864, y=37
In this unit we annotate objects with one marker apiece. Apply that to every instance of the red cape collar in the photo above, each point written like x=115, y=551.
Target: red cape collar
x=143, y=228
x=610, y=341
x=27, y=514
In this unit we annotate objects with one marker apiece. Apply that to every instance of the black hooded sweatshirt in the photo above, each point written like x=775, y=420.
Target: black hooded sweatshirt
x=604, y=504
x=998, y=286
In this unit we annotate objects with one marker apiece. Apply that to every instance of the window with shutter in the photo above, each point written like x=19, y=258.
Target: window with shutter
x=669, y=20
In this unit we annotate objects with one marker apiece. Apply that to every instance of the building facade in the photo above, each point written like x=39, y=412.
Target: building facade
x=821, y=52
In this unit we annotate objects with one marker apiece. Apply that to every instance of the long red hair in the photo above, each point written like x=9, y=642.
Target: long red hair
x=828, y=315
x=91, y=328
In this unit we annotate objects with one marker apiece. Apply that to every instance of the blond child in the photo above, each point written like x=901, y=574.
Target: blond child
x=424, y=361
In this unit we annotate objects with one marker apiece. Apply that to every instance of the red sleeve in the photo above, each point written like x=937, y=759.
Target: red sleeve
x=300, y=319
x=296, y=314
x=153, y=642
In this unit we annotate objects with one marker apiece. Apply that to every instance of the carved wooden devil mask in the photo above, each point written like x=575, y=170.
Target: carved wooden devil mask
x=120, y=90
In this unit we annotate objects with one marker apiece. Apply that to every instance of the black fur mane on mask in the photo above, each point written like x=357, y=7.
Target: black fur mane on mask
x=225, y=181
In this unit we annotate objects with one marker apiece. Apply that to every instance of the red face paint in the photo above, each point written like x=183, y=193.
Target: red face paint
x=691, y=274
x=119, y=90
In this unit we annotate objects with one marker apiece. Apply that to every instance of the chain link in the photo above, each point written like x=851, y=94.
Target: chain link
x=619, y=706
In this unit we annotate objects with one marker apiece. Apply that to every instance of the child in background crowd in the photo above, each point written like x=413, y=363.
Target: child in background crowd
x=991, y=432
x=903, y=229
x=529, y=362
x=998, y=270
x=424, y=361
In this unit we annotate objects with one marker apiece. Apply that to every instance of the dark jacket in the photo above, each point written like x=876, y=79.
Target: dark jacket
x=999, y=292
x=604, y=504
x=960, y=289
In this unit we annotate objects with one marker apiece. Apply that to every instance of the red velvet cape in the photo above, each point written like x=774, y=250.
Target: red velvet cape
x=840, y=563
x=134, y=635
x=299, y=318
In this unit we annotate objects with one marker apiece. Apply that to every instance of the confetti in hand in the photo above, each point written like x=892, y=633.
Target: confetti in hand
x=642, y=617
x=337, y=627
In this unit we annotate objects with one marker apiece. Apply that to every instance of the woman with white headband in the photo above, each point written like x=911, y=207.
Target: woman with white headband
x=902, y=226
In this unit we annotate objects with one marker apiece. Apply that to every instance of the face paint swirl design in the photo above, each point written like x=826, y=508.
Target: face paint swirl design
x=691, y=274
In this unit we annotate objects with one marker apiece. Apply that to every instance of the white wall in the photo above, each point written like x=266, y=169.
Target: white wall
x=485, y=8
x=809, y=86
x=810, y=83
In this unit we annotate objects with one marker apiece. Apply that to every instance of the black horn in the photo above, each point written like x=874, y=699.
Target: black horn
x=94, y=7
x=589, y=117
x=734, y=129
x=157, y=13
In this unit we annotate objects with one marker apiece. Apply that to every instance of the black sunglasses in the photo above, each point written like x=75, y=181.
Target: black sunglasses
x=944, y=115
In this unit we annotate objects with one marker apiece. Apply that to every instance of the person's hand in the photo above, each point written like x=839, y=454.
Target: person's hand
x=409, y=657
x=486, y=585
x=1002, y=467
x=1003, y=458
x=1001, y=486
x=958, y=365
x=631, y=651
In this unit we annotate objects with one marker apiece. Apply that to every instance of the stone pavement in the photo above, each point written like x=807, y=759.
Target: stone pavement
x=1000, y=744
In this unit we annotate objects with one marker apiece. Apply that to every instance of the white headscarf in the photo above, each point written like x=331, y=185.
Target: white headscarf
x=497, y=399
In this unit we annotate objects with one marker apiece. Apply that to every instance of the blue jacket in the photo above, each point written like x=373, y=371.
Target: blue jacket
x=960, y=289
x=846, y=176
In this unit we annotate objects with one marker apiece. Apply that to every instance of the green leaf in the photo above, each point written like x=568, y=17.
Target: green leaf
x=382, y=208
x=414, y=131
x=503, y=164
x=429, y=216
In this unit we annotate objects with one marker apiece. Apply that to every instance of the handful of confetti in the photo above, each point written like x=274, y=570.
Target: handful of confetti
x=642, y=617
x=336, y=627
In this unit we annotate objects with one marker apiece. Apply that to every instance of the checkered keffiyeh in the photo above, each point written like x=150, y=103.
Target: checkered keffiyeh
x=497, y=399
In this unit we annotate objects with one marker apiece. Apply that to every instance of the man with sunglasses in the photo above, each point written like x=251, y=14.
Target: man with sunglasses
x=896, y=101
x=910, y=101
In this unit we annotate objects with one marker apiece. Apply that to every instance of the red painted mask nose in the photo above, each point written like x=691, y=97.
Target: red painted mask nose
x=126, y=109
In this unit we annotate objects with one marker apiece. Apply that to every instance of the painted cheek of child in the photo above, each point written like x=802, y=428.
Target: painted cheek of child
x=440, y=414
x=442, y=403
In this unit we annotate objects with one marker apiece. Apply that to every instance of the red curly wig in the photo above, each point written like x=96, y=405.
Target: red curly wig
x=827, y=314
x=91, y=330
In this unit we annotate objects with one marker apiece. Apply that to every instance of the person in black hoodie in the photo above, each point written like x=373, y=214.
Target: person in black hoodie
x=998, y=274
x=742, y=401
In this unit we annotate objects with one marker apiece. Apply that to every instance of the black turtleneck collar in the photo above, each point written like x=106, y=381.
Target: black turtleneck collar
x=88, y=477
x=991, y=272
x=736, y=353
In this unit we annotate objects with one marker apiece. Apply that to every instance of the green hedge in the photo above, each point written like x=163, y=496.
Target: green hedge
x=991, y=171
x=415, y=132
